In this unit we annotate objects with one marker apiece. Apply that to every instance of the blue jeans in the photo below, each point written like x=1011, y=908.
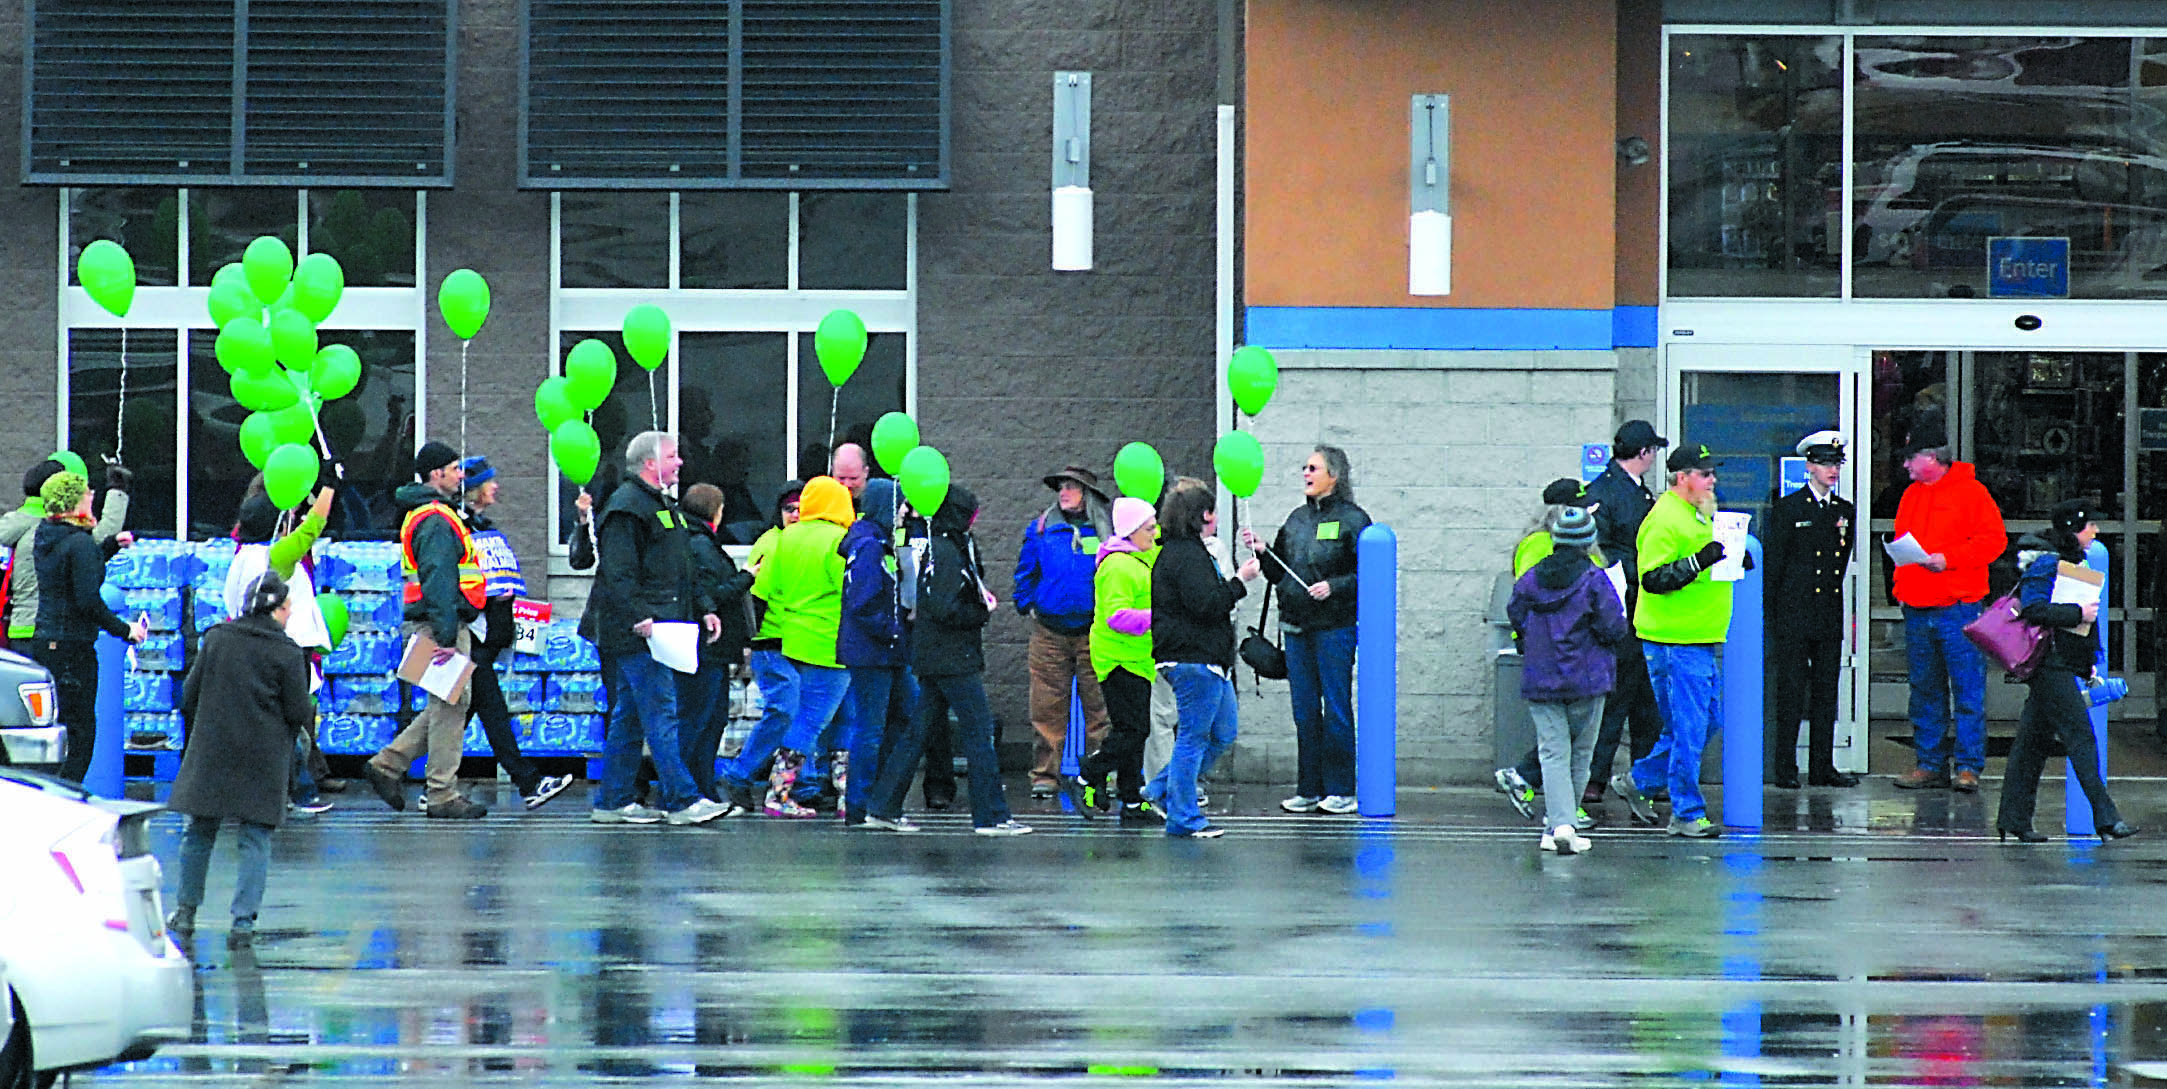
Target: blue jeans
x=303, y=790
x=1689, y=692
x=965, y=694
x=820, y=723
x=643, y=703
x=1205, y=702
x=1945, y=664
x=1320, y=678
x=252, y=842
x=881, y=698
x=704, y=699
x=778, y=681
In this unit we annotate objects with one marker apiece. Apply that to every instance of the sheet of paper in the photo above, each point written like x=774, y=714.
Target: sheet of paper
x=444, y=679
x=1731, y=534
x=2076, y=584
x=1616, y=572
x=676, y=643
x=1905, y=549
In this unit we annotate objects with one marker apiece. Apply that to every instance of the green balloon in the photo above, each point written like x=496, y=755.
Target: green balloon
x=268, y=264
x=1252, y=376
x=1240, y=462
x=552, y=405
x=230, y=273
x=108, y=274
x=258, y=438
x=1140, y=472
x=243, y=346
x=576, y=450
x=288, y=475
x=293, y=339
x=335, y=619
x=895, y=435
x=318, y=281
x=839, y=343
x=924, y=479
x=589, y=373
x=294, y=423
x=230, y=302
x=264, y=391
x=335, y=373
x=69, y=460
x=647, y=335
x=463, y=299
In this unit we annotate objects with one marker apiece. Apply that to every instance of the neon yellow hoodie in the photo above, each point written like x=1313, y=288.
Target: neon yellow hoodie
x=802, y=581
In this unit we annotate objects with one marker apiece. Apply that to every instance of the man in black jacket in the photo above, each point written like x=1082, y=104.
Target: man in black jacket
x=1622, y=502
x=1809, y=545
x=645, y=576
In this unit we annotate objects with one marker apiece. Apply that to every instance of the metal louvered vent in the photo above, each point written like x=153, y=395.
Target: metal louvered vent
x=768, y=94
x=196, y=92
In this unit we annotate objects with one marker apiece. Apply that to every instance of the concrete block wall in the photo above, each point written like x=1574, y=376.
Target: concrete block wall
x=1451, y=449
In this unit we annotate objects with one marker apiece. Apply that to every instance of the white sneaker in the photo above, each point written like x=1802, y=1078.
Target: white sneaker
x=549, y=787
x=1005, y=828
x=700, y=811
x=1565, y=840
x=634, y=813
x=1300, y=803
x=1337, y=803
x=900, y=824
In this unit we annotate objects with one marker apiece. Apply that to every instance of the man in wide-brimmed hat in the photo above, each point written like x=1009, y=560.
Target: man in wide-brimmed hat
x=1053, y=591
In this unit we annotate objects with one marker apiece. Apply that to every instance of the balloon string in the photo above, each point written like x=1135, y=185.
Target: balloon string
x=835, y=397
x=654, y=405
x=463, y=346
x=120, y=406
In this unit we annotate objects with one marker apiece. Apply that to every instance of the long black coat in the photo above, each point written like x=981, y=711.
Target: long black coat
x=244, y=700
x=1807, y=547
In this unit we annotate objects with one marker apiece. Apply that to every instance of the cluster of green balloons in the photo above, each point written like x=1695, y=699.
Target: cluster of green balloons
x=562, y=402
x=267, y=309
x=921, y=472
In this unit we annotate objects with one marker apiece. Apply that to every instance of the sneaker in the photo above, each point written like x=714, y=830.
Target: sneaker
x=1300, y=803
x=899, y=824
x=787, y=806
x=1077, y=793
x=1697, y=828
x=1582, y=820
x=387, y=786
x=458, y=809
x=632, y=813
x=549, y=787
x=243, y=933
x=1337, y=804
x=1565, y=840
x=1142, y=813
x=1920, y=778
x=1095, y=795
x=182, y=923
x=1042, y=790
x=1209, y=831
x=1005, y=828
x=1643, y=810
x=1517, y=791
x=700, y=811
x=312, y=807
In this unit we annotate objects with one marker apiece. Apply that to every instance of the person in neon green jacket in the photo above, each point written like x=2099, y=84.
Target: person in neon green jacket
x=1121, y=657
x=1536, y=545
x=802, y=584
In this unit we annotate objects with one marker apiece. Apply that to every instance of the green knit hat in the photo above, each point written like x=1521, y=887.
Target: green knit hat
x=62, y=491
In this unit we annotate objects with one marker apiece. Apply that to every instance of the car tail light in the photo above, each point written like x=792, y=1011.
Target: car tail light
x=89, y=858
x=38, y=700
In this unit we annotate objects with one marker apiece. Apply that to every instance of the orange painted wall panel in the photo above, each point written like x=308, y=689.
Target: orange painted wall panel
x=1533, y=167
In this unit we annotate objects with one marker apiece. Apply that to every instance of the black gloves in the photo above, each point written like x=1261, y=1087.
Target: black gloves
x=330, y=473
x=1708, y=555
x=118, y=477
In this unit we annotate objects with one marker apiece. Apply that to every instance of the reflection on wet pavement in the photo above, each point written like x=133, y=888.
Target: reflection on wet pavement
x=1868, y=939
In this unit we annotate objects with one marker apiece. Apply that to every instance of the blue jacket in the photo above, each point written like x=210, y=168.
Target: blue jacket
x=1568, y=617
x=873, y=631
x=1054, y=570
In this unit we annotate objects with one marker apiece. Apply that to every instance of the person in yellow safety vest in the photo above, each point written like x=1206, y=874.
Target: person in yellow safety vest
x=444, y=591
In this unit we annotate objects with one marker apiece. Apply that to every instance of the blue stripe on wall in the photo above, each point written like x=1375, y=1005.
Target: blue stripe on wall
x=1449, y=329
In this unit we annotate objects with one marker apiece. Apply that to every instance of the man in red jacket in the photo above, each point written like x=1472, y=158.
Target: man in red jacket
x=1953, y=518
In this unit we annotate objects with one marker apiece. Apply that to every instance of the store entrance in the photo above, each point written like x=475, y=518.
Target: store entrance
x=2040, y=427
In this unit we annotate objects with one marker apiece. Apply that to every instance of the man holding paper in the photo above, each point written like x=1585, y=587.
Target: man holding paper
x=647, y=604
x=445, y=590
x=1958, y=527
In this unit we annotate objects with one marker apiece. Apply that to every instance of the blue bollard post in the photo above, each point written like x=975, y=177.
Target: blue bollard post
x=1072, y=744
x=2077, y=812
x=1744, y=715
x=1377, y=672
x=108, y=774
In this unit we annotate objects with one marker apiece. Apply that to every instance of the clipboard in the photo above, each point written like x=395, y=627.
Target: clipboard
x=447, y=682
x=2076, y=584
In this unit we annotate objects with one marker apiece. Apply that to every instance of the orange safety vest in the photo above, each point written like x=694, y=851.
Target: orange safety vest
x=471, y=582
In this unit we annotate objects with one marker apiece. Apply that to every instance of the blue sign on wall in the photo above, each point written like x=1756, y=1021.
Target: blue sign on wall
x=1790, y=475
x=2027, y=268
x=1594, y=458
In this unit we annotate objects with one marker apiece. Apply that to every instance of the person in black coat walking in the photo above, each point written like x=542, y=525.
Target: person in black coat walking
x=254, y=681
x=1809, y=545
x=1192, y=643
x=71, y=613
x=703, y=698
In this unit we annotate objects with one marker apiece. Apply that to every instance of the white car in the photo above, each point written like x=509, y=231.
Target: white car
x=91, y=977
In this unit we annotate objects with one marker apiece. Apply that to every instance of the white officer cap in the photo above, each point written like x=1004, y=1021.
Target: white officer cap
x=1825, y=447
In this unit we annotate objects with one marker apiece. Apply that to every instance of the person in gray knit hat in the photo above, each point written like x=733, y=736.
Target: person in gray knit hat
x=1567, y=616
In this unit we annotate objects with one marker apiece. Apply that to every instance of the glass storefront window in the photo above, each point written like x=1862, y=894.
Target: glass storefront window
x=735, y=240
x=1960, y=140
x=1755, y=160
x=222, y=222
x=875, y=389
x=146, y=222
x=852, y=241
x=731, y=414
x=370, y=231
x=143, y=424
x=615, y=239
x=2048, y=427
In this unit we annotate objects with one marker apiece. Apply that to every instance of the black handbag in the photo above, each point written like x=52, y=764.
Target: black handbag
x=1259, y=652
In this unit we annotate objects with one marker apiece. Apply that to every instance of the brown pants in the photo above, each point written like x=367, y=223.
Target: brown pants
x=439, y=732
x=1056, y=660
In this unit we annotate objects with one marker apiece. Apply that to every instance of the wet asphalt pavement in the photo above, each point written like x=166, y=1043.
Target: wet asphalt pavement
x=1869, y=937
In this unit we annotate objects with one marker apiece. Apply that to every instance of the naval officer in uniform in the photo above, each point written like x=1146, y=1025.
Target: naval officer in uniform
x=1809, y=532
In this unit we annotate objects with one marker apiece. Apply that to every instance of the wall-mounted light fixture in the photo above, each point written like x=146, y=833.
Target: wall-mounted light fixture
x=1429, y=191
x=1071, y=171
